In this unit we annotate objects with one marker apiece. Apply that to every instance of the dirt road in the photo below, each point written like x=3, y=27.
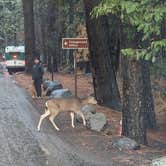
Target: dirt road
x=20, y=142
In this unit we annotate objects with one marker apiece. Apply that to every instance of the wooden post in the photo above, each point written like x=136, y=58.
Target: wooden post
x=52, y=68
x=75, y=43
x=75, y=72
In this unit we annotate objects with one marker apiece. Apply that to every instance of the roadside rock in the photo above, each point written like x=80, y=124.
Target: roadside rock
x=88, y=108
x=107, y=129
x=159, y=161
x=87, y=116
x=46, y=83
x=125, y=143
x=94, y=121
x=97, y=121
x=51, y=86
x=61, y=93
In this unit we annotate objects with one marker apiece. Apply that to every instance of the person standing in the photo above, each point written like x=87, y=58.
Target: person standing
x=37, y=76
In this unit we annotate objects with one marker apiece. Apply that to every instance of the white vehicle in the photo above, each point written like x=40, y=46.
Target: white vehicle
x=15, y=57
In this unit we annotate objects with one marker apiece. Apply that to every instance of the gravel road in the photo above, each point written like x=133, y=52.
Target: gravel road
x=20, y=142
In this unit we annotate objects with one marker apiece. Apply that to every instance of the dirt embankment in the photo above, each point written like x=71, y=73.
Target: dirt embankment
x=100, y=143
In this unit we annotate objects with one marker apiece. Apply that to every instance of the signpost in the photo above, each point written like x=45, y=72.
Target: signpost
x=75, y=72
x=75, y=43
x=52, y=68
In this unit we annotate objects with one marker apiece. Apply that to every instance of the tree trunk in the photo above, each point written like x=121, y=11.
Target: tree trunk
x=69, y=32
x=51, y=35
x=44, y=39
x=54, y=33
x=148, y=97
x=114, y=40
x=29, y=33
x=104, y=78
x=133, y=111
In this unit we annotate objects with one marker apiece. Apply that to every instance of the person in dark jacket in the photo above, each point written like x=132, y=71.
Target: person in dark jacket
x=37, y=76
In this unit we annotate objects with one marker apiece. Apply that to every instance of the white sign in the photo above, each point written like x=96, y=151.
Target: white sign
x=15, y=49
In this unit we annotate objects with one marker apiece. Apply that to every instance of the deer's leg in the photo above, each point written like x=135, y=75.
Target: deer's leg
x=83, y=118
x=42, y=117
x=72, y=119
x=51, y=118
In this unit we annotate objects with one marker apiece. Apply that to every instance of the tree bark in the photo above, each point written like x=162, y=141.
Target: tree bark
x=133, y=111
x=51, y=35
x=54, y=33
x=103, y=73
x=29, y=34
x=114, y=40
x=148, y=97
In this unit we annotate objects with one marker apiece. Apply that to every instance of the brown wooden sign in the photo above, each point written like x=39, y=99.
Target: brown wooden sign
x=74, y=43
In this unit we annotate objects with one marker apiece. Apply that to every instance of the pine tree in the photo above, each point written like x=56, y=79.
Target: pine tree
x=29, y=31
x=141, y=23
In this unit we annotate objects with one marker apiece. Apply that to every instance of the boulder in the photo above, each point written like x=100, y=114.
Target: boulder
x=97, y=121
x=51, y=86
x=88, y=108
x=125, y=143
x=159, y=161
x=45, y=84
x=61, y=93
x=87, y=116
x=94, y=121
x=107, y=130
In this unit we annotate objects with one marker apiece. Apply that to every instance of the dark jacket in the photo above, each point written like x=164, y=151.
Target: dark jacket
x=37, y=72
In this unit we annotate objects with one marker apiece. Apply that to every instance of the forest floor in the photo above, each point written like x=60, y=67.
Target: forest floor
x=99, y=143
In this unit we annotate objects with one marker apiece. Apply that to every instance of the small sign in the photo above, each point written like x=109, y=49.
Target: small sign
x=75, y=43
x=15, y=49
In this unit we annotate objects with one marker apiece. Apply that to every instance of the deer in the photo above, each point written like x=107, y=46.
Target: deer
x=54, y=106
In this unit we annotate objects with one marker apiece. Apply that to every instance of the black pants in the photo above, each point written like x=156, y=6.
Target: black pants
x=37, y=84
